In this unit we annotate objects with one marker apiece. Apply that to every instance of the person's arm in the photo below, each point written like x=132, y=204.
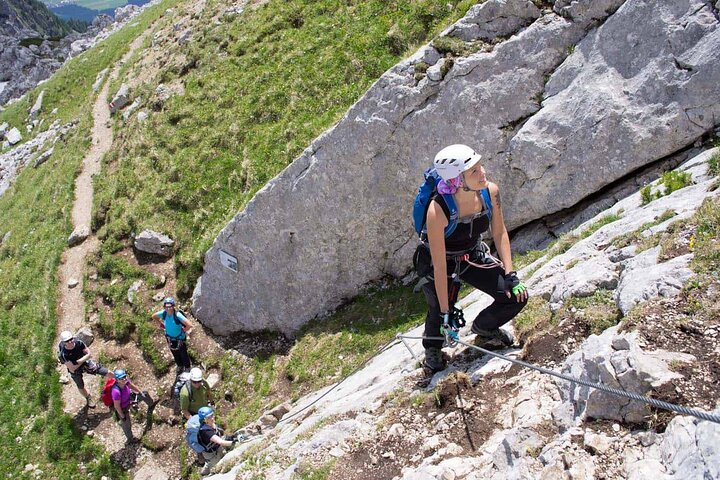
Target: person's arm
x=217, y=439
x=134, y=388
x=159, y=320
x=71, y=366
x=502, y=240
x=185, y=403
x=85, y=357
x=186, y=323
x=499, y=231
x=436, y=223
x=118, y=409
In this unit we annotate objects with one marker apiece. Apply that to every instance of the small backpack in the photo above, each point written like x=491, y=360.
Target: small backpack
x=106, y=396
x=191, y=434
x=428, y=190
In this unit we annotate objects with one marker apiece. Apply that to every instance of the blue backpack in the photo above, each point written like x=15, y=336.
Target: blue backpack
x=191, y=434
x=426, y=192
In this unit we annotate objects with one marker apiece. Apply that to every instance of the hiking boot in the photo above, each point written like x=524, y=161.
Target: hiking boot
x=492, y=339
x=434, y=360
x=90, y=402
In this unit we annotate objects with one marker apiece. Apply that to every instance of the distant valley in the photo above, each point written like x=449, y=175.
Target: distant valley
x=86, y=10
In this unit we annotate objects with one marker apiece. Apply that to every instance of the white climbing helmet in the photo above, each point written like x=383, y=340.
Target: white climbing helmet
x=453, y=160
x=196, y=374
x=65, y=336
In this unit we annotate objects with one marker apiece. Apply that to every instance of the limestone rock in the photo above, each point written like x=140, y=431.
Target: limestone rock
x=73, y=282
x=132, y=291
x=13, y=136
x=645, y=278
x=43, y=157
x=629, y=369
x=120, y=99
x=126, y=12
x=78, y=235
x=392, y=132
x=153, y=242
x=99, y=79
x=495, y=18
x=213, y=379
x=86, y=335
x=280, y=411
x=37, y=106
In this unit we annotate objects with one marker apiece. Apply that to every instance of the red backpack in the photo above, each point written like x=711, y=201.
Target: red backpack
x=106, y=396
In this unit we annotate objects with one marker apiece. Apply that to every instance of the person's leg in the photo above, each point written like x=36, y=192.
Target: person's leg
x=77, y=377
x=184, y=356
x=212, y=459
x=502, y=310
x=126, y=425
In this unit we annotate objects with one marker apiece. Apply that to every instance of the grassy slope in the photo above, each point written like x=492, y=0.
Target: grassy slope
x=262, y=85
x=37, y=212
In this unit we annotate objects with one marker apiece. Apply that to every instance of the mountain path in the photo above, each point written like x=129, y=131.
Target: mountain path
x=71, y=307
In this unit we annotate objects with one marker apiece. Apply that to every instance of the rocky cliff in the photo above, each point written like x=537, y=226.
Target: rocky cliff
x=546, y=91
x=484, y=418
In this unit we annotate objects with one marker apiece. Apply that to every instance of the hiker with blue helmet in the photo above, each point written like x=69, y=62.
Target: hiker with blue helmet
x=211, y=439
x=465, y=206
x=122, y=397
x=176, y=327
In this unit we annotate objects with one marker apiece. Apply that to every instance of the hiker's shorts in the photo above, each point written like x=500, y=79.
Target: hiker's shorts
x=93, y=369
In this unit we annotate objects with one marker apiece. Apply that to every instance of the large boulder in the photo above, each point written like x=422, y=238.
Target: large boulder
x=604, y=115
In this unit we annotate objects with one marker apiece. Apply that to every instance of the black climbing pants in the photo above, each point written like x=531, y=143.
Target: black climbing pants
x=178, y=348
x=498, y=313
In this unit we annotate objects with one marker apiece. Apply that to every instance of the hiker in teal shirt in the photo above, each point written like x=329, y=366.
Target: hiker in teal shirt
x=176, y=327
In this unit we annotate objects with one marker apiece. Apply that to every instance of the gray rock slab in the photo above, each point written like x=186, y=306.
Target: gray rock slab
x=43, y=157
x=37, y=106
x=149, y=241
x=78, y=235
x=326, y=253
x=631, y=370
x=120, y=99
x=495, y=18
x=630, y=108
x=644, y=278
x=13, y=136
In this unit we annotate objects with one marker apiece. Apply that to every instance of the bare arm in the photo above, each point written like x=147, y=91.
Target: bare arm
x=187, y=324
x=436, y=223
x=161, y=324
x=499, y=231
x=217, y=439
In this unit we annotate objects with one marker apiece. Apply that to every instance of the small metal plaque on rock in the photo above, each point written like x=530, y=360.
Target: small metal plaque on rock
x=228, y=261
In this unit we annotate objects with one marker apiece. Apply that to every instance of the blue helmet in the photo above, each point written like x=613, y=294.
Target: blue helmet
x=119, y=374
x=205, y=412
x=169, y=301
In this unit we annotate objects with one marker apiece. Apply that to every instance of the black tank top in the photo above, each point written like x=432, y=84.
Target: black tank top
x=468, y=230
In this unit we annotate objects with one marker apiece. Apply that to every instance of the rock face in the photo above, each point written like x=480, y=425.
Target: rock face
x=15, y=159
x=617, y=362
x=538, y=427
x=557, y=113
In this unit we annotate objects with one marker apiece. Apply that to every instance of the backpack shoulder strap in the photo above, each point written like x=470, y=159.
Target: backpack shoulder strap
x=453, y=211
x=487, y=199
x=188, y=384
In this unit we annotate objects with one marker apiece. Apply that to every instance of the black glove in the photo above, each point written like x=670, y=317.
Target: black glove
x=511, y=283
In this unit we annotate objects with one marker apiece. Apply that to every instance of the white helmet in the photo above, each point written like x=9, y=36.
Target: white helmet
x=453, y=160
x=65, y=336
x=196, y=374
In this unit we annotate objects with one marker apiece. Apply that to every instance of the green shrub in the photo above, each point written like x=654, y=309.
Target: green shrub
x=671, y=181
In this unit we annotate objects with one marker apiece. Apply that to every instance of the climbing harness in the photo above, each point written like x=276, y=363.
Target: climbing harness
x=710, y=417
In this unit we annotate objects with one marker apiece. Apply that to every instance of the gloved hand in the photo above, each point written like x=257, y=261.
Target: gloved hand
x=513, y=286
x=144, y=393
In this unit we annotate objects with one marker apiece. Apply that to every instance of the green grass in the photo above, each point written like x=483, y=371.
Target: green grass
x=706, y=246
x=37, y=212
x=637, y=238
x=258, y=89
x=669, y=182
x=714, y=165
